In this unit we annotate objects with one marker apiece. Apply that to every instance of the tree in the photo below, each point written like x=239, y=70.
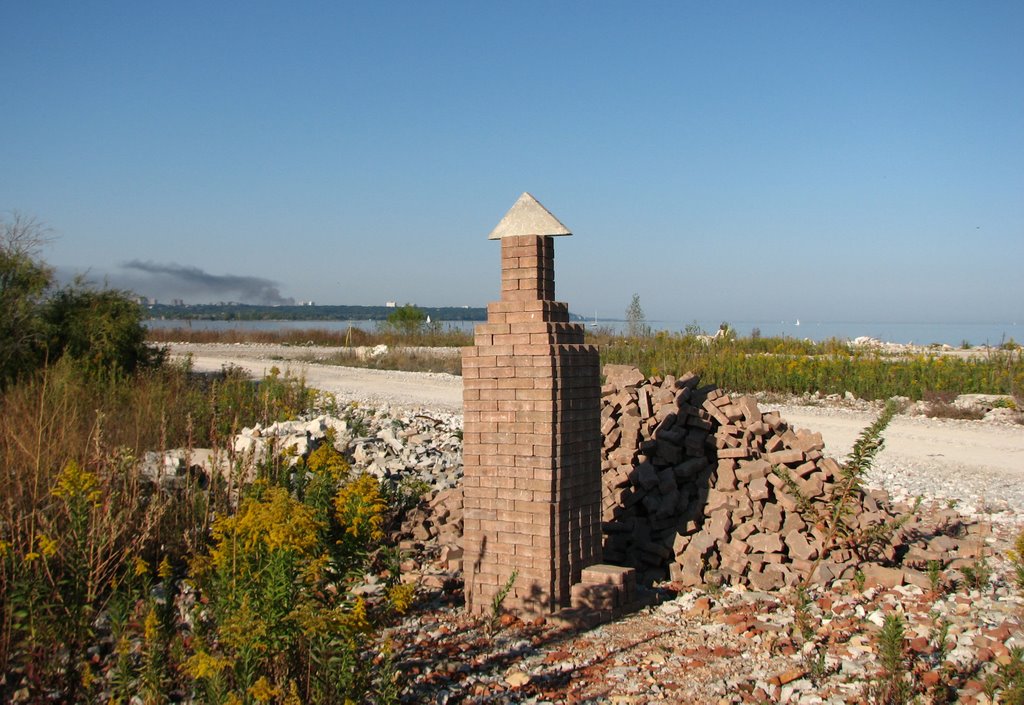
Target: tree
x=636, y=321
x=24, y=280
x=38, y=324
x=407, y=319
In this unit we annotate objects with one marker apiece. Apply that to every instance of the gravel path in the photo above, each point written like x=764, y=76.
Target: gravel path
x=978, y=464
x=424, y=389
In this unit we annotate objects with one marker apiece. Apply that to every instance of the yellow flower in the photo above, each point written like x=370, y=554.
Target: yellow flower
x=356, y=619
x=31, y=556
x=326, y=459
x=203, y=665
x=293, y=694
x=75, y=482
x=88, y=677
x=47, y=546
x=360, y=508
x=5, y=548
x=401, y=596
x=262, y=691
x=275, y=521
x=141, y=567
x=164, y=570
x=151, y=626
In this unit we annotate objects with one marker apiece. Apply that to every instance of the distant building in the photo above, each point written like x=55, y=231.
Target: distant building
x=390, y=304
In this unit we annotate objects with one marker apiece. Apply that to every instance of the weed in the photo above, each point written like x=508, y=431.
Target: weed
x=893, y=685
x=428, y=336
x=977, y=576
x=1010, y=678
x=939, y=637
x=802, y=612
x=89, y=549
x=409, y=359
x=936, y=578
x=793, y=366
x=1016, y=555
x=838, y=516
x=498, y=601
x=815, y=663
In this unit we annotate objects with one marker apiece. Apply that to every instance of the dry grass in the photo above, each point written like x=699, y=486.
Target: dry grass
x=353, y=337
x=940, y=405
x=406, y=359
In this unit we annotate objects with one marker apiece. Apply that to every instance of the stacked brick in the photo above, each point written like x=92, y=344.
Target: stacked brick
x=691, y=494
x=531, y=442
x=435, y=527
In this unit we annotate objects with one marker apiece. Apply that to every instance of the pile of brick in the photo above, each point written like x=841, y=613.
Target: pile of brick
x=692, y=492
x=432, y=531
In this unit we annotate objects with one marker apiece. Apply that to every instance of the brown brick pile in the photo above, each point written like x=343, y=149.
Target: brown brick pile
x=435, y=528
x=690, y=493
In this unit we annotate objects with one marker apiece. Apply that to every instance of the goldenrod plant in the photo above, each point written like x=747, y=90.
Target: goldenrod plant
x=93, y=552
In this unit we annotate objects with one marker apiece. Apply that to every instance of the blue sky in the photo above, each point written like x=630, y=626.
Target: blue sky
x=733, y=161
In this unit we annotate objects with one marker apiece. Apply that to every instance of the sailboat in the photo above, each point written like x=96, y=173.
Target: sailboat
x=798, y=321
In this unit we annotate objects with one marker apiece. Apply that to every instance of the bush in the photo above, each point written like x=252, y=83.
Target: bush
x=407, y=320
x=103, y=330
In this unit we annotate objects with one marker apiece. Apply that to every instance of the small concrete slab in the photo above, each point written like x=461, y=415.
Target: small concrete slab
x=528, y=217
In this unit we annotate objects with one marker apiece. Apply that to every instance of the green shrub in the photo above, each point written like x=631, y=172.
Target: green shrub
x=103, y=330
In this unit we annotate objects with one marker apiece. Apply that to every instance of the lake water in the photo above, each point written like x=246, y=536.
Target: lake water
x=918, y=333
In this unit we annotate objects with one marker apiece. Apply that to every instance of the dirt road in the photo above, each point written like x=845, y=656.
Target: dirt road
x=978, y=463
x=426, y=389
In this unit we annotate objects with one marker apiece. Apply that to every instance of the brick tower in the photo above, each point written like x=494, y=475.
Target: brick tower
x=532, y=437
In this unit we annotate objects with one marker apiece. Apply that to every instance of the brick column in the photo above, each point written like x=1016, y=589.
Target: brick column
x=532, y=439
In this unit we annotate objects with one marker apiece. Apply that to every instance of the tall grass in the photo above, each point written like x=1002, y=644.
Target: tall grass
x=94, y=556
x=791, y=366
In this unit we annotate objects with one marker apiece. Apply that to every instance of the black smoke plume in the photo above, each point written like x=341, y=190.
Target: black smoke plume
x=193, y=283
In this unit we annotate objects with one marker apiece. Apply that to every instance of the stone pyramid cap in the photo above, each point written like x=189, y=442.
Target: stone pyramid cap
x=528, y=217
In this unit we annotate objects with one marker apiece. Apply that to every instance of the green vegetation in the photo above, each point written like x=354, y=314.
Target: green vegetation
x=790, y=366
x=100, y=329
x=407, y=320
x=838, y=517
x=1017, y=559
x=745, y=365
x=894, y=686
x=432, y=336
x=91, y=554
x=210, y=587
x=248, y=312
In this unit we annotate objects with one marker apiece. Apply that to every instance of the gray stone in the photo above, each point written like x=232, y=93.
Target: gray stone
x=528, y=217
